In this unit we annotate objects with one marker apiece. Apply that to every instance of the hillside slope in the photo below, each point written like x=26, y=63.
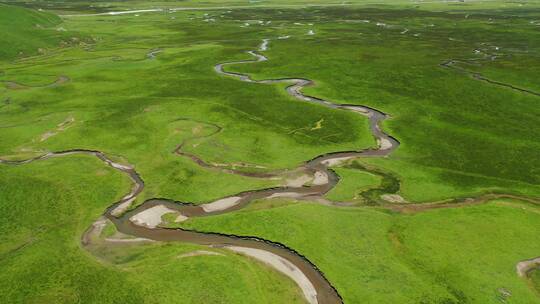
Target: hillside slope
x=25, y=31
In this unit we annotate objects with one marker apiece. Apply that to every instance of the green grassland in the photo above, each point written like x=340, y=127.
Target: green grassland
x=441, y=256
x=27, y=32
x=178, y=85
x=439, y=115
x=535, y=278
x=353, y=182
x=460, y=137
x=48, y=205
x=492, y=153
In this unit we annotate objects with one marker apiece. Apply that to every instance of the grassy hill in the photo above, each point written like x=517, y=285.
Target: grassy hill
x=25, y=31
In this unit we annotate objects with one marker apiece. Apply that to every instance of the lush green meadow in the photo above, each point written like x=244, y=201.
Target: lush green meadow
x=27, y=32
x=352, y=183
x=48, y=205
x=442, y=256
x=451, y=143
x=90, y=83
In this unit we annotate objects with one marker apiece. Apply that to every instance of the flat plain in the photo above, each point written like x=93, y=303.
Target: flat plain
x=390, y=148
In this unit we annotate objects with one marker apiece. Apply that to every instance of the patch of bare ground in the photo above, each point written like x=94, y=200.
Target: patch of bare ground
x=199, y=253
x=68, y=122
x=124, y=238
x=523, y=267
x=393, y=198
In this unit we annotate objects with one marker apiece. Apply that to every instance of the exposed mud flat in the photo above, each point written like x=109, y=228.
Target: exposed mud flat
x=284, y=266
x=222, y=204
x=151, y=217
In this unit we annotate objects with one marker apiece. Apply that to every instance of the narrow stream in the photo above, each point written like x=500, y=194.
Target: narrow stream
x=324, y=291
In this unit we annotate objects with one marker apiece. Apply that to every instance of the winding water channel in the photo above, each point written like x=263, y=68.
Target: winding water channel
x=314, y=285
x=143, y=221
x=454, y=64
